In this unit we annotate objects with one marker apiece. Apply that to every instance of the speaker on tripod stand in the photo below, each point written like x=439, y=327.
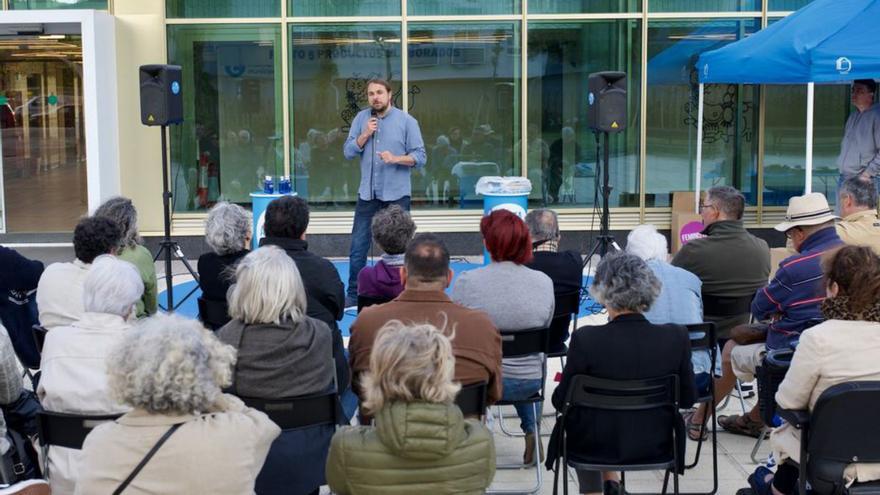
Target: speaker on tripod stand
x=606, y=114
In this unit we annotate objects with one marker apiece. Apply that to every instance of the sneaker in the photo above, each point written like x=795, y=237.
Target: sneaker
x=28, y=487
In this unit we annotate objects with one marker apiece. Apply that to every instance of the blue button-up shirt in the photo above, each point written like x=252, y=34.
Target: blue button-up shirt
x=398, y=133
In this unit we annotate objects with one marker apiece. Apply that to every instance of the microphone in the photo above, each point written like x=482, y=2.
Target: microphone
x=375, y=115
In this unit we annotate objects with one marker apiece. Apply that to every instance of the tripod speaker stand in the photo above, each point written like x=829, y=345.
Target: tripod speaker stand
x=605, y=241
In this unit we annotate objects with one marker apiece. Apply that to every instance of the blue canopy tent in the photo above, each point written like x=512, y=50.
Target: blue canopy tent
x=827, y=41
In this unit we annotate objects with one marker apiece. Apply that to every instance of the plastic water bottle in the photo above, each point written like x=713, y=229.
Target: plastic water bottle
x=268, y=185
x=284, y=185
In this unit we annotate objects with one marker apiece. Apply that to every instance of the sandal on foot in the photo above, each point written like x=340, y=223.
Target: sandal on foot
x=695, y=431
x=741, y=425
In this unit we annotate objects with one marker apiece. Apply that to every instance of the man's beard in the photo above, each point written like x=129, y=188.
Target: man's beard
x=382, y=108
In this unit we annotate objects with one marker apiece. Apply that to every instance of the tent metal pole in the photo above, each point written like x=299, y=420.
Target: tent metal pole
x=699, y=172
x=808, y=182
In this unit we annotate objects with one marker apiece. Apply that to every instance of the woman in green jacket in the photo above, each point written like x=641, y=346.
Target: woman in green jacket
x=122, y=212
x=420, y=440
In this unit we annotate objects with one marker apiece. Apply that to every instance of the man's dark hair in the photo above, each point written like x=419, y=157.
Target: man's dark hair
x=862, y=191
x=426, y=258
x=868, y=83
x=94, y=236
x=287, y=216
x=728, y=200
x=381, y=82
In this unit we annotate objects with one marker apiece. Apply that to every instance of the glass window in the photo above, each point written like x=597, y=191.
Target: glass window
x=785, y=140
x=562, y=149
x=231, y=135
x=330, y=65
x=463, y=7
x=730, y=113
x=583, y=6
x=785, y=5
x=322, y=8
x=57, y=4
x=704, y=5
x=222, y=8
x=465, y=92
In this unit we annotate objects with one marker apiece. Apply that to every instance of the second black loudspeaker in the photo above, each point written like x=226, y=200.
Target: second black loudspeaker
x=161, y=95
x=606, y=101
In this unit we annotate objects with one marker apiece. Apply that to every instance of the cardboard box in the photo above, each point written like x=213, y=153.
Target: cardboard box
x=776, y=257
x=685, y=223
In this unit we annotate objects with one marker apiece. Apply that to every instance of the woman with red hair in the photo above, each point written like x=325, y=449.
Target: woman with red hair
x=515, y=298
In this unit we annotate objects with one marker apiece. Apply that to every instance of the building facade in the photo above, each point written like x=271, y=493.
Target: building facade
x=499, y=87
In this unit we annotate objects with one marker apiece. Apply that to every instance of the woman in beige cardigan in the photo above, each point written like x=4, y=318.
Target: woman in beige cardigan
x=844, y=348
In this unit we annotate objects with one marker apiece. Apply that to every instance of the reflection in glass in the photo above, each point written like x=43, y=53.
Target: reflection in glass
x=330, y=66
x=785, y=140
x=43, y=134
x=222, y=8
x=785, y=5
x=704, y=5
x=463, y=7
x=562, y=149
x=583, y=6
x=57, y=4
x=465, y=92
x=339, y=8
x=730, y=113
x=230, y=138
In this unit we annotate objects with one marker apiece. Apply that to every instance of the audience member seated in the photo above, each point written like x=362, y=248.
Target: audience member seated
x=857, y=201
x=680, y=300
x=710, y=259
x=228, y=234
x=122, y=212
x=420, y=441
x=74, y=371
x=788, y=304
x=392, y=229
x=19, y=277
x=516, y=298
x=841, y=349
x=282, y=354
x=287, y=219
x=170, y=370
x=60, y=291
x=563, y=267
x=627, y=287
x=476, y=342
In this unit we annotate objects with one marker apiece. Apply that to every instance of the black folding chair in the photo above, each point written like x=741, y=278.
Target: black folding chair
x=213, y=314
x=523, y=343
x=471, y=399
x=364, y=301
x=66, y=430
x=39, y=336
x=567, y=309
x=703, y=339
x=770, y=375
x=729, y=307
x=299, y=412
x=842, y=429
x=589, y=392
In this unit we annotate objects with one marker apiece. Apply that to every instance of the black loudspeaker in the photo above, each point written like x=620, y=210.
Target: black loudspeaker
x=161, y=95
x=606, y=101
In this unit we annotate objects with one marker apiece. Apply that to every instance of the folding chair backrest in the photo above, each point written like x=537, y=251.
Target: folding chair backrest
x=702, y=336
x=214, y=314
x=523, y=342
x=40, y=336
x=298, y=412
x=68, y=430
x=567, y=303
x=623, y=395
x=726, y=306
x=364, y=301
x=770, y=375
x=471, y=399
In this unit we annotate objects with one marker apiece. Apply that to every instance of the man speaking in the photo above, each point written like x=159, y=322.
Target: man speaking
x=389, y=144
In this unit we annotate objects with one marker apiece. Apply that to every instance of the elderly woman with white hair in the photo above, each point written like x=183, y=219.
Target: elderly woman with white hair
x=171, y=372
x=73, y=375
x=123, y=213
x=228, y=234
x=420, y=438
x=282, y=353
x=628, y=347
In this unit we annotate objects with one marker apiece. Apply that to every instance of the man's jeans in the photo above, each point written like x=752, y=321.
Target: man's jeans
x=362, y=235
x=521, y=390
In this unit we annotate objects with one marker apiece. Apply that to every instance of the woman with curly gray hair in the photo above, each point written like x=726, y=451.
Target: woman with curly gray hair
x=170, y=370
x=228, y=234
x=122, y=212
x=392, y=229
x=628, y=347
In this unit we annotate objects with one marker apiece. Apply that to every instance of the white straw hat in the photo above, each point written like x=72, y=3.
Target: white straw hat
x=809, y=209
